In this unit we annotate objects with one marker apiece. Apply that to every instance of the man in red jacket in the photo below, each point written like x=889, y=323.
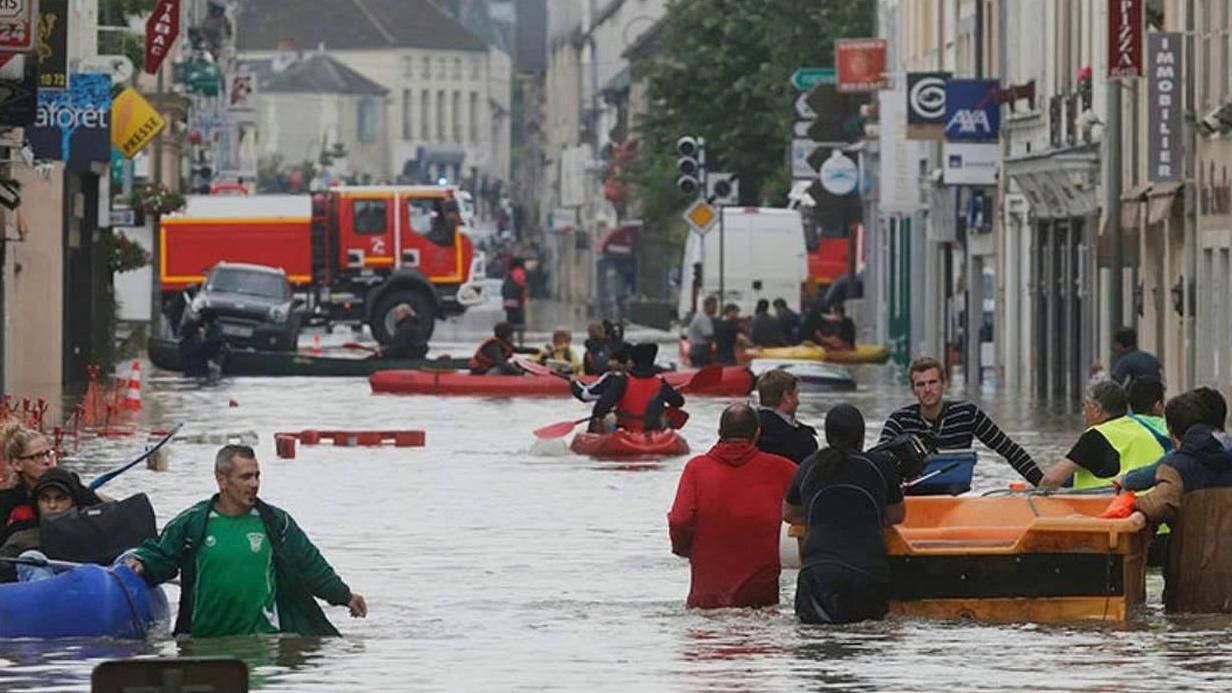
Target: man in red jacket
x=728, y=514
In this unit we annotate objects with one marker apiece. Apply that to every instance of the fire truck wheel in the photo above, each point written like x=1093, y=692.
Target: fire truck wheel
x=382, y=324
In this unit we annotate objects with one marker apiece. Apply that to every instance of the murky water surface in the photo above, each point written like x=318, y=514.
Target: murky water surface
x=491, y=566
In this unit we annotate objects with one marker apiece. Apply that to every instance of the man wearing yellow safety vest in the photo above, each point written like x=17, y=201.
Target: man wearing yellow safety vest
x=1113, y=443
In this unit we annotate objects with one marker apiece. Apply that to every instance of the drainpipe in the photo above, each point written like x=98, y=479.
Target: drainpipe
x=1112, y=204
x=1191, y=203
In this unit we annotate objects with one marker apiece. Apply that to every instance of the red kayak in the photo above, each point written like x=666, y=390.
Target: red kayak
x=622, y=443
x=737, y=381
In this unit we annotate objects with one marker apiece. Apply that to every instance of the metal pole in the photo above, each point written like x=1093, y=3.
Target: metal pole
x=158, y=139
x=972, y=364
x=722, y=257
x=1112, y=206
x=1191, y=207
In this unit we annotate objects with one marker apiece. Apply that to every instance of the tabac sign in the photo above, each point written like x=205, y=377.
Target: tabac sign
x=1165, y=153
x=1125, y=38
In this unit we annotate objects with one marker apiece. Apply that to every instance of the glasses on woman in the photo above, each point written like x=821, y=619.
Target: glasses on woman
x=46, y=454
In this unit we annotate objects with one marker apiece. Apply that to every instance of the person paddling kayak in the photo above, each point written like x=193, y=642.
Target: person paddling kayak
x=639, y=397
x=492, y=356
x=246, y=567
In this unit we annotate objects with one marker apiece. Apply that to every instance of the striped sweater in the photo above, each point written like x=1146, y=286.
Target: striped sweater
x=954, y=429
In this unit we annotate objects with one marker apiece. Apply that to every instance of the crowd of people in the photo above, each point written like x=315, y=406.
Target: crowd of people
x=723, y=337
x=245, y=567
x=767, y=469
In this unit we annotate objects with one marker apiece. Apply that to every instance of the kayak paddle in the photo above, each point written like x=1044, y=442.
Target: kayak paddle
x=676, y=418
x=558, y=430
x=43, y=562
x=535, y=368
x=707, y=377
x=108, y=476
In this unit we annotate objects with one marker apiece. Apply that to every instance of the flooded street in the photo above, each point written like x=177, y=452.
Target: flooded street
x=489, y=567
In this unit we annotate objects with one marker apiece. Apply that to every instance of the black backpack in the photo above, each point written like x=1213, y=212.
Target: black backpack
x=98, y=533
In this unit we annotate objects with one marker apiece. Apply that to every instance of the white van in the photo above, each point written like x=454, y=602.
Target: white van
x=763, y=257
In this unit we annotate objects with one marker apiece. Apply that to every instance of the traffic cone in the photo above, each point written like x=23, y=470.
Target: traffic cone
x=316, y=344
x=132, y=398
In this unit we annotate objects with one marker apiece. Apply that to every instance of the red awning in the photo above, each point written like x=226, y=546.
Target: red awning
x=620, y=240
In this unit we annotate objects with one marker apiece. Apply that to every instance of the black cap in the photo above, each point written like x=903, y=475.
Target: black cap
x=644, y=354
x=57, y=478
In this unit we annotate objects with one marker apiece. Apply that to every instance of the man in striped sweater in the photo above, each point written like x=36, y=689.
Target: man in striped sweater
x=953, y=424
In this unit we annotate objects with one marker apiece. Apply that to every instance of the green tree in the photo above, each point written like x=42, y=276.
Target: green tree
x=722, y=73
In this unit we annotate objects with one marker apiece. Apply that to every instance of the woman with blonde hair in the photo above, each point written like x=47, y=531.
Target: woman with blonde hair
x=27, y=455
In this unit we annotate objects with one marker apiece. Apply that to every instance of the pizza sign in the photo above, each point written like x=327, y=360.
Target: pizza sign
x=161, y=30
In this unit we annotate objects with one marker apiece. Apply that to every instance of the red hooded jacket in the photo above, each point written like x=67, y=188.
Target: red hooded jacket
x=726, y=519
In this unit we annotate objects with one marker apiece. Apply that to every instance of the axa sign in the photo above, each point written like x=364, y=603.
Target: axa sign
x=972, y=110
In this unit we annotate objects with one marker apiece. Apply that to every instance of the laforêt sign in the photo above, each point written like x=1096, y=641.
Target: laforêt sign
x=161, y=30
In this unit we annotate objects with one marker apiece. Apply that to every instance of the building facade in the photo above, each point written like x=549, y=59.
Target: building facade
x=308, y=105
x=449, y=93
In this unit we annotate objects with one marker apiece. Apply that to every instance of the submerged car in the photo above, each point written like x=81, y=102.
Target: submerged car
x=254, y=305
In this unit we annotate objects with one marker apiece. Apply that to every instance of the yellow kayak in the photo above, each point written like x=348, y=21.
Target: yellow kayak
x=808, y=351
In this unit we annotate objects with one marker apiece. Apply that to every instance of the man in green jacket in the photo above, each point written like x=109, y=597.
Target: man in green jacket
x=246, y=566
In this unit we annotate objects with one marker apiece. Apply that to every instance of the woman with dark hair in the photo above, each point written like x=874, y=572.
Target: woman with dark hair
x=846, y=497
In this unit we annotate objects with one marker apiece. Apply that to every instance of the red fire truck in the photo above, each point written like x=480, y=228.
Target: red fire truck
x=356, y=251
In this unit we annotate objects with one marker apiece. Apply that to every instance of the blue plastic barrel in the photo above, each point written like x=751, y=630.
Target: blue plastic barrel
x=948, y=483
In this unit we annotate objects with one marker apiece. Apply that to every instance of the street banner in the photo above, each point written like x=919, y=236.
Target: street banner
x=52, y=44
x=134, y=122
x=161, y=30
x=900, y=157
x=1125, y=38
x=74, y=124
x=972, y=110
x=926, y=105
x=861, y=64
x=1165, y=149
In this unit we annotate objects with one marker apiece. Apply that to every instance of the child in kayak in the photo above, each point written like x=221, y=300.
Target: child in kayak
x=560, y=355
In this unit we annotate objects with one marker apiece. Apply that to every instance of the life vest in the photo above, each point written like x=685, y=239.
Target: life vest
x=639, y=393
x=1136, y=446
x=481, y=362
x=1158, y=428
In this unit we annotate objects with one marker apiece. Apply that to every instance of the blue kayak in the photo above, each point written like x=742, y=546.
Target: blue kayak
x=90, y=601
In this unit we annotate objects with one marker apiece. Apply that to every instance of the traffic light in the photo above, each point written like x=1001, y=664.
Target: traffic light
x=690, y=164
x=202, y=173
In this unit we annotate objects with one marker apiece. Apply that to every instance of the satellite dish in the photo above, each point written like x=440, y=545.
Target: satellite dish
x=118, y=66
